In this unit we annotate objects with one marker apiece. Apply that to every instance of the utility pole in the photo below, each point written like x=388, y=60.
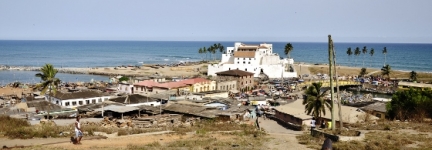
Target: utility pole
x=337, y=89
x=330, y=50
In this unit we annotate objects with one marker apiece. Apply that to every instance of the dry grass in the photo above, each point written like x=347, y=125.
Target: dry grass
x=381, y=135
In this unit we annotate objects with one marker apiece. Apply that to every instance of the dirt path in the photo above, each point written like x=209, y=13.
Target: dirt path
x=281, y=138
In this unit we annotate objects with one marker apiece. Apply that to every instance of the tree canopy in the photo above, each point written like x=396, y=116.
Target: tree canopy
x=413, y=104
x=315, y=104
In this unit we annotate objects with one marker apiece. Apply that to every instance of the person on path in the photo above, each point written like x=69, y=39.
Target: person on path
x=313, y=122
x=78, y=131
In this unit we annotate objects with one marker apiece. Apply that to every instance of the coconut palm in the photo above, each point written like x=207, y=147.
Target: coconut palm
x=413, y=76
x=49, y=82
x=362, y=72
x=372, y=52
x=386, y=70
x=314, y=102
x=357, y=52
x=384, y=51
x=364, y=51
x=205, y=51
x=214, y=48
x=221, y=49
x=288, y=49
x=200, y=51
x=349, y=52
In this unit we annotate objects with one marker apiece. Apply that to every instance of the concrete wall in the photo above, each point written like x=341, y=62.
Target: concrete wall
x=273, y=71
x=125, y=88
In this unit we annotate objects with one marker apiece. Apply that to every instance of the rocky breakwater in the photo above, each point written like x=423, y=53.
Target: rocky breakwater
x=60, y=70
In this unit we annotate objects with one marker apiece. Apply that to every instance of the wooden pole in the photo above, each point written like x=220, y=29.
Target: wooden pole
x=330, y=50
x=337, y=90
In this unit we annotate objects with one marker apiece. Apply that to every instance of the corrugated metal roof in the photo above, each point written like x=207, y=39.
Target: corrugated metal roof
x=119, y=109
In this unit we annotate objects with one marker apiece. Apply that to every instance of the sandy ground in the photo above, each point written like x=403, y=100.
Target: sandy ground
x=145, y=70
x=279, y=138
x=16, y=91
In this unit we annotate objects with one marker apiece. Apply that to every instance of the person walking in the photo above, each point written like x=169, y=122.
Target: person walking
x=78, y=131
x=313, y=122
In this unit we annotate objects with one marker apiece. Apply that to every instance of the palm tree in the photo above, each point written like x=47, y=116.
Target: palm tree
x=356, y=53
x=384, y=51
x=385, y=71
x=50, y=82
x=205, y=51
x=413, y=76
x=363, y=72
x=349, y=52
x=200, y=51
x=314, y=102
x=364, y=51
x=214, y=51
x=372, y=52
x=221, y=49
x=288, y=49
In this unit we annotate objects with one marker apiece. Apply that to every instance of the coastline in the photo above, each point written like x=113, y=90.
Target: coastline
x=195, y=68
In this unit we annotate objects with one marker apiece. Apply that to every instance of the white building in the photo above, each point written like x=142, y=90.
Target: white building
x=255, y=59
x=80, y=98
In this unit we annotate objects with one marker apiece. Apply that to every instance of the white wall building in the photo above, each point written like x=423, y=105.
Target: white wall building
x=255, y=59
x=75, y=99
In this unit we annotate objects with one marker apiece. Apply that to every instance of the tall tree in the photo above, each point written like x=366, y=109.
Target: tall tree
x=221, y=48
x=364, y=51
x=386, y=70
x=214, y=47
x=349, y=53
x=357, y=52
x=314, y=102
x=384, y=51
x=49, y=83
x=205, y=52
x=200, y=51
x=362, y=72
x=288, y=49
x=413, y=76
x=372, y=52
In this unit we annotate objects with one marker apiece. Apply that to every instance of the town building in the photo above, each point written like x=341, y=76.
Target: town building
x=78, y=98
x=243, y=79
x=181, y=87
x=257, y=59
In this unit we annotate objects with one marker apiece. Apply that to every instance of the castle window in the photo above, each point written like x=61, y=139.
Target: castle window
x=248, y=62
x=244, y=62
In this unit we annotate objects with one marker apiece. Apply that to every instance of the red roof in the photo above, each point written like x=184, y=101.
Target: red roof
x=194, y=80
x=147, y=83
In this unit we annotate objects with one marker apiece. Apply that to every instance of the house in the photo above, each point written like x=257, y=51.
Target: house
x=79, y=98
x=124, y=87
x=377, y=109
x=294, y=114
x=181, y=87
x=257, y=59
x=244, y=79
x=155, y=78
x=226, y=85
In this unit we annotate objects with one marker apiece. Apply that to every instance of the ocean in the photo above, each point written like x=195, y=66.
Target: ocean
x=400, y=56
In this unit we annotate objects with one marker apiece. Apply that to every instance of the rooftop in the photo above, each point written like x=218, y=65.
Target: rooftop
x=77, y=95
x=412, y=84
x=296, y=108
x=236, y=73
x=133, y=99
x=244, y=54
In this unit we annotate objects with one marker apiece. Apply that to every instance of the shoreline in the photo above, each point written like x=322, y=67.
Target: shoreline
x=195, y=68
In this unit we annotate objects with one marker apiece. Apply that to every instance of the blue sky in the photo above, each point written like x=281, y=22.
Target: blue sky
x=218, y=20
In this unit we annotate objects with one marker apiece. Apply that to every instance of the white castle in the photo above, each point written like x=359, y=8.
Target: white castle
x=256, y=59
